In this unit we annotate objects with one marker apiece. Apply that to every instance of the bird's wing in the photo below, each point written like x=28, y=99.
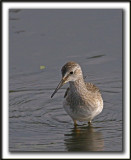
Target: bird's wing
x=90, y=87
x=66, y=92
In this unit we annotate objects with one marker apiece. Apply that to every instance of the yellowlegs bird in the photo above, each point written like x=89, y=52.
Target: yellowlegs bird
x=83, y=100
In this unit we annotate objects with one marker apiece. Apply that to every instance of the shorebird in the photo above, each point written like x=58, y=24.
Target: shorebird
x=83, y=101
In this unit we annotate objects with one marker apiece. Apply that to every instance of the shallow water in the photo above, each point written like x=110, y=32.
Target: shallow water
x=50, y=38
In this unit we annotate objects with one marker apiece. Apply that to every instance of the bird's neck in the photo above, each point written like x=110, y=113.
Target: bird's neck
x=78, y=87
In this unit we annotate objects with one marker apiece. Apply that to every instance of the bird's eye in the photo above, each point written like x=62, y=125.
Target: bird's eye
x=71, y=72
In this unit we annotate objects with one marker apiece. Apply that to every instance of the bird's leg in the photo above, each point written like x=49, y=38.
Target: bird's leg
x=75, y=124
x=89, y=123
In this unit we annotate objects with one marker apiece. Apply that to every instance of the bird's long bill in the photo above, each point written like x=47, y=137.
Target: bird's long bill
x=59, y=86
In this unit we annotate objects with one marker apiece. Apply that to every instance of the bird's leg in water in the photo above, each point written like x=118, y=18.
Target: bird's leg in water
x=89, y=123
x=75, y=124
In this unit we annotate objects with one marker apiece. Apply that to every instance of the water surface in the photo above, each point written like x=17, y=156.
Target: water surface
x=50, y=38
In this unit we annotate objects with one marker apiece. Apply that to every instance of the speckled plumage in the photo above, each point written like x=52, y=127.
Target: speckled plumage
x=83, y=101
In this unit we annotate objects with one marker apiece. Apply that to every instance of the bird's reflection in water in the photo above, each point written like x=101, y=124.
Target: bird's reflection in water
x=83, y=139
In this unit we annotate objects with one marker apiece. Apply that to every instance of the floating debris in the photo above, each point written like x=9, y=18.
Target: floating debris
x=42, y=67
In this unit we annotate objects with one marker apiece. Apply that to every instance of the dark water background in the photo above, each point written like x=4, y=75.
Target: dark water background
x=50, y=38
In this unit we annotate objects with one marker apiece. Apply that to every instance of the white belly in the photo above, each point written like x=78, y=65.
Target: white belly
x=82, y=113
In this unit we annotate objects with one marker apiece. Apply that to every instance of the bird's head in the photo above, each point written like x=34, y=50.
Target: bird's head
x=71, y=72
